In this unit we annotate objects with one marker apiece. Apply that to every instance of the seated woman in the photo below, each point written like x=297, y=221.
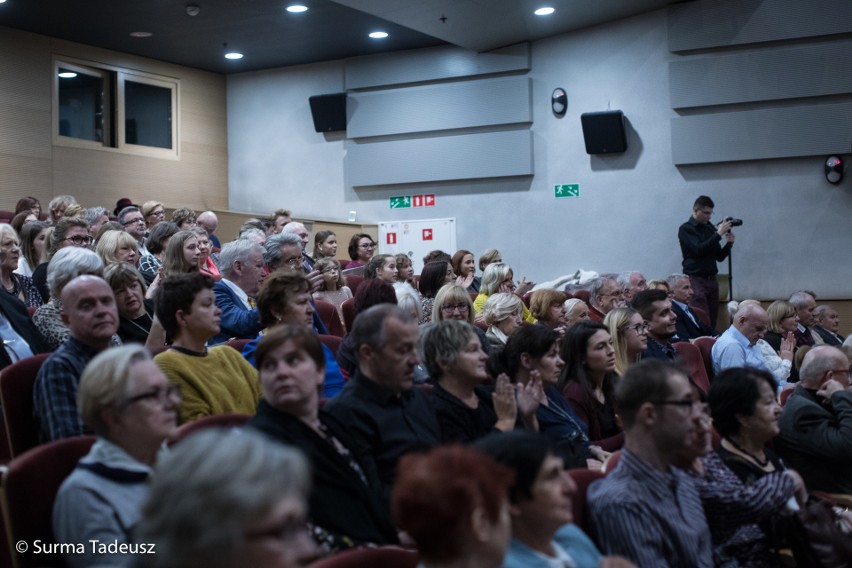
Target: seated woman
x=149, y=264
x=434, y=276
x=285, y=299
x=154, y=212
x=129, y=404
x=783, y=322
x=488, y=257
x=497, y=278
x=532, y=355
x=117, y=246
x=181, y=257
x=502, y=314
x=453, y=502
x=213, y=381
x=405, y=270
x=252, y=518
x=33, y=235
x=745, y=488
x=361, y=249
x=408, y=299
x=382, y=266
x=184, y=218
x=467, y=410
x=587, y=381
x=135, y=313
x=205, y=262
x=465, y=269
x=333, y=288
x=548, y=307
x=346, y=505
x=629, y=334
x=779, y=362
x=325, y=245
x=17, y=286
x=453, y=303
x=66, y=265
x=575, y=310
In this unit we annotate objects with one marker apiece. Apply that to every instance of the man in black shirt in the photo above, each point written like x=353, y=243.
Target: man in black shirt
x=700, y=243
x=386, y=416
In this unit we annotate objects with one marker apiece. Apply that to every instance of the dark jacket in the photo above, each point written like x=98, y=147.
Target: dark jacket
x=19, y=318
x=700, y=247
x=686, y=329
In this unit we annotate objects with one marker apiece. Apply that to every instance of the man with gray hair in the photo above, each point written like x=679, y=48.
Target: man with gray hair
x=827, y=325
x=241, y=265
x=631, y=282
x=284, y=250
x=604, y=295
x=689, y=325
x=805, y=303
x=133, y=221
x=816, y=423
x=737, y=347
x=302, y=232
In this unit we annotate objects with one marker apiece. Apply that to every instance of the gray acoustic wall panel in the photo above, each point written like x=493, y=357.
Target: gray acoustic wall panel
x=432, y=64
x=719, y=23
x=782, y=73
x=760, y=134
x=446, y=106
x=467, y=156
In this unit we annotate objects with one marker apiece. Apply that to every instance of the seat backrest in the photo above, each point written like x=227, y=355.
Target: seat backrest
x=348, y=309
x=238, y=344
x=329, y=316
x=705, y=346
x=583, y=478
x=29, y=486
x=701, y=315
x=785, y=394
x=691, y=357
x=330, y=341
x=353, y=281
x=16, y=396
x=217, y=421
x=583, y=295
x=381, y=557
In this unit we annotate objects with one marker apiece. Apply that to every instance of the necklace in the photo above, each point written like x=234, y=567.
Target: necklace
x=762, y=463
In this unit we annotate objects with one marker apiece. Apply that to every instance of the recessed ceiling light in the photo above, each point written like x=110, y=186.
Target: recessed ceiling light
x=546, y=11
x=378, y=35
x=141, y=34
x=64, y=74
x=233, y=55
x=297, y=8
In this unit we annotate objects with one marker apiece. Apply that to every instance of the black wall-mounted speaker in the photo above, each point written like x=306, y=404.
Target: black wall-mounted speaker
x=329, y=112
x=604, y=132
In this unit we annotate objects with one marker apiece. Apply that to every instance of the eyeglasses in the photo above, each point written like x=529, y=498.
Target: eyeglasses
x=135, y=220
x=847, y=372
x=639, y=328
x=693, y=405
x=367, y=245
x=158, y=213
x=293, y=263
x=450, y=308
x=159, y=394
x=616, y=294
x=80, y=240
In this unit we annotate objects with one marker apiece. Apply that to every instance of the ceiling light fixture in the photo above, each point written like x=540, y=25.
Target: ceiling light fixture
x=233, y=55
x=378, y=35
x=546, y=11
x=297, y=9
x=65, y=74
x=141, y=34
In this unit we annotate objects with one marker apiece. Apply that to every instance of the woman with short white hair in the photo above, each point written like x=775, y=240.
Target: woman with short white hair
x=117, y=246
x=127, y=401
x=14, y=284
x=502, y=313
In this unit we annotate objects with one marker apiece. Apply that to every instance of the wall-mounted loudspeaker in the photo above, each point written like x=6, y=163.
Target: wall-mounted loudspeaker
x=329, y=112
x=604, y=132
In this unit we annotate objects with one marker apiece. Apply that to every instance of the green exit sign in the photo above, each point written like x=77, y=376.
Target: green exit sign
x=400, y=202
x=571, y=190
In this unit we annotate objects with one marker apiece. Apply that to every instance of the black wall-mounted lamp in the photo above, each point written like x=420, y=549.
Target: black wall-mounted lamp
x=834, y=169
x=559, y=102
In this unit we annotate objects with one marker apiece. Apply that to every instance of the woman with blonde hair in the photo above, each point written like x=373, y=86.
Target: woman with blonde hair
x=497, y=278
x=502, y=313
x=548, y=307
x=629, y=336
x=783, y=322
x=117, y=246
x=153, y=212
x=452, y=302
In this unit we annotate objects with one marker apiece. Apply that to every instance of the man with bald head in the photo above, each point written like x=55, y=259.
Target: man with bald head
x=210, y=222
x=737, y=347
x=89, y=311
x=816, y=423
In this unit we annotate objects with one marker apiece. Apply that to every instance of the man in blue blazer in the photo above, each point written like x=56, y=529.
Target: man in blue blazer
x=242, y=268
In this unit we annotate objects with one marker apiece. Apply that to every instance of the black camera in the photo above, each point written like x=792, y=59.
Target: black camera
x=734, y=222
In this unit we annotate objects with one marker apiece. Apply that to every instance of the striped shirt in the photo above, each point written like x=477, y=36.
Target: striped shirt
x=652, y=517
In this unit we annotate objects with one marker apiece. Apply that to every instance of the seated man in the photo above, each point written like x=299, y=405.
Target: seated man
x=213, y=381
x=816, y=423
x=647, y=509
x=737, y=347
x=805, y=303
x=301, y=231
x=210, y=222
x=827, y=325
x=656, y=309
x=688, y=324
x=89, y=311
x=543, y=534
x=241, y=265
x=604, y=295
x=133, y=221
x=631, y=283
x=386, y=415
x=280, y=218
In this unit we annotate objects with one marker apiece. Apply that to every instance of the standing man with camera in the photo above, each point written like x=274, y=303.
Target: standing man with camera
x=701, y=245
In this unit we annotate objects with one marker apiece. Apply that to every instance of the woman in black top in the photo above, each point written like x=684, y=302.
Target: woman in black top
x=135, y=313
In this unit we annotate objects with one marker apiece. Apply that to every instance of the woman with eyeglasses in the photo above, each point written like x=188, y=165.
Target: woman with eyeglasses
x=153, y=212
x=127, y=401
x=205, y=263
x=14, y=284
x=629, y=336
x=68, y=232
x=498, y=277
x=452, y=302
x=361, y=249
